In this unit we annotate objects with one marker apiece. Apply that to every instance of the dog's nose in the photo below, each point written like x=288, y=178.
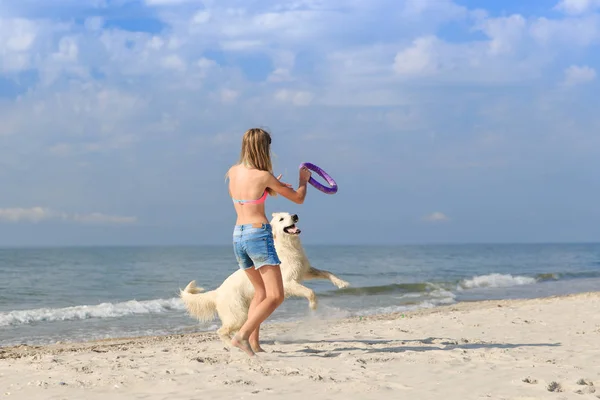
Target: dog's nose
x=295, y=218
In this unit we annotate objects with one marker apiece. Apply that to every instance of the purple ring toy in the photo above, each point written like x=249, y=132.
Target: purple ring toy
x=332, y=185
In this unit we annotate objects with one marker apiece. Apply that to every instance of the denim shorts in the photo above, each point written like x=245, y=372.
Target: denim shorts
x=253, y=245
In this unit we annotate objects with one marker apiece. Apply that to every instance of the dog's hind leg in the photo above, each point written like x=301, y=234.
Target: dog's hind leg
x=314, y=273
x=229, y=327
x=297, y=290
x=233, y=314
x=225, y=333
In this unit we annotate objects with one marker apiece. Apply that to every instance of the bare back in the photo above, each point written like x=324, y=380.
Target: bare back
x=248, y=184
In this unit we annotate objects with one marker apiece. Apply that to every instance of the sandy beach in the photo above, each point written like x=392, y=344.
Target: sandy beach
x=512, y=349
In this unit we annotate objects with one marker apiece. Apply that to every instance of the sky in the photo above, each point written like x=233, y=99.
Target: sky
x=441, y=121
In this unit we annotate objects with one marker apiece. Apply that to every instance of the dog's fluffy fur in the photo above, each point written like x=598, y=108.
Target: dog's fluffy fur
x=231, y=300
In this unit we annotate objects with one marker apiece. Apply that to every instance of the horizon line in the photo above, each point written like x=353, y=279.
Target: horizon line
x=311, y=244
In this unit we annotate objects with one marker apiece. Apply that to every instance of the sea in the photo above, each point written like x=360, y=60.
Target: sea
x=50, y=295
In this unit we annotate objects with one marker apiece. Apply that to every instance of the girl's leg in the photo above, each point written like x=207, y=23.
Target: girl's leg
x=254, y=341
x=270, y=277
x=259, y=296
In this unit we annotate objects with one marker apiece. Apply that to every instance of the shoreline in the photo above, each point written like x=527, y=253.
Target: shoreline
x=546, y=347
x=463, y=305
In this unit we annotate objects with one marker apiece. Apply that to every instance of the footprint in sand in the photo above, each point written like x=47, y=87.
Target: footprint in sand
x=586, y=382
x=554, y=387
x=530, y=380
x=588, y=389
x=396, y=386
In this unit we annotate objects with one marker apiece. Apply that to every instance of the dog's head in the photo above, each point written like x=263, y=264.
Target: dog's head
x=284, y=224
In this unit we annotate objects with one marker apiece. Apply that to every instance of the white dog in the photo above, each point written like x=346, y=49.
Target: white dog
x=232, y=299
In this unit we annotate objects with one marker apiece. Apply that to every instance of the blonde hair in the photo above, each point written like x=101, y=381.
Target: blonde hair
x=256, y=152
x=256, y=146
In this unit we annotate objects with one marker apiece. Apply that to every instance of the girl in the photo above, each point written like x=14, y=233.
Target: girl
x=252, y=178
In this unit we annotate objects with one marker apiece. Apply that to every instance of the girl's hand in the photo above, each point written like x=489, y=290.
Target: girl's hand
x=286, y=184
x=304, y=174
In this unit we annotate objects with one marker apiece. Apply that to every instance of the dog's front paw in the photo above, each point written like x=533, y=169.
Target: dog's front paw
x=342, y=284
x=313, y=305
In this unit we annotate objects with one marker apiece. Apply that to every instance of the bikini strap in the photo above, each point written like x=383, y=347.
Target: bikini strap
x=257, y=201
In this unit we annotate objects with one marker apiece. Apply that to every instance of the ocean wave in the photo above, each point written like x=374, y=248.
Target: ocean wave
x=432, y=289
x=495, y=281
x=548, y=277
x=577, y=274
x=381, y=289
x=103, y=310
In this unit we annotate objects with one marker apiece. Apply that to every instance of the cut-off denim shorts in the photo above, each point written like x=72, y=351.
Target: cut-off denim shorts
x=253, y=245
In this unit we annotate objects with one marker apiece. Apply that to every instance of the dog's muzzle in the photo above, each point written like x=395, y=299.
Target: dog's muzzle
x=292, y=230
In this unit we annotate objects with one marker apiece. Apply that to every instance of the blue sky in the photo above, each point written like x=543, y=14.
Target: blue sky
x=442, y=121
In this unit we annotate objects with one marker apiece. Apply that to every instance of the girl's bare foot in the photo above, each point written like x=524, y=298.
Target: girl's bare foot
x=242, y=344
x=256, y=348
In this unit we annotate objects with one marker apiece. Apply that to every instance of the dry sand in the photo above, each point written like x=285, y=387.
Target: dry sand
x=525, y=349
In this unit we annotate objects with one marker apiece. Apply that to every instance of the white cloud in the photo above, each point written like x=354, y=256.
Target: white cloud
x=576, y=75
x=229, y=96
x=174, y=62
x=17, y=37
x=172, y=2
x=39, y=214
x=296, y=97
x=446, y=7
x=505, y=33
x=419, y=58
x=18, y=34
x=242, y=45
x=34, y=214
x=283, y=63
x=569, y=32
x=94, y=23
x=92, y=111
x=436, y=217
x=577, y=7
x=205, y=63
x=67, y=50
x=201, y=17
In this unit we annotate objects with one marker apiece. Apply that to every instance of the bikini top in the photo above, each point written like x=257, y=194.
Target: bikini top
x=257, y=201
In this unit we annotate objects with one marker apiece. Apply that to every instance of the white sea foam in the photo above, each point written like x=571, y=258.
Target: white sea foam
x=103, y=310
x=494, y=281
x=438, y=297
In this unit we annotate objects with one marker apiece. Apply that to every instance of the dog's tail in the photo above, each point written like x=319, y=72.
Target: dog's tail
x=198, y=304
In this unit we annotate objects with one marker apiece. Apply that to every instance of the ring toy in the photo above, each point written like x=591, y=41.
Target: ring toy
x=332, y=185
